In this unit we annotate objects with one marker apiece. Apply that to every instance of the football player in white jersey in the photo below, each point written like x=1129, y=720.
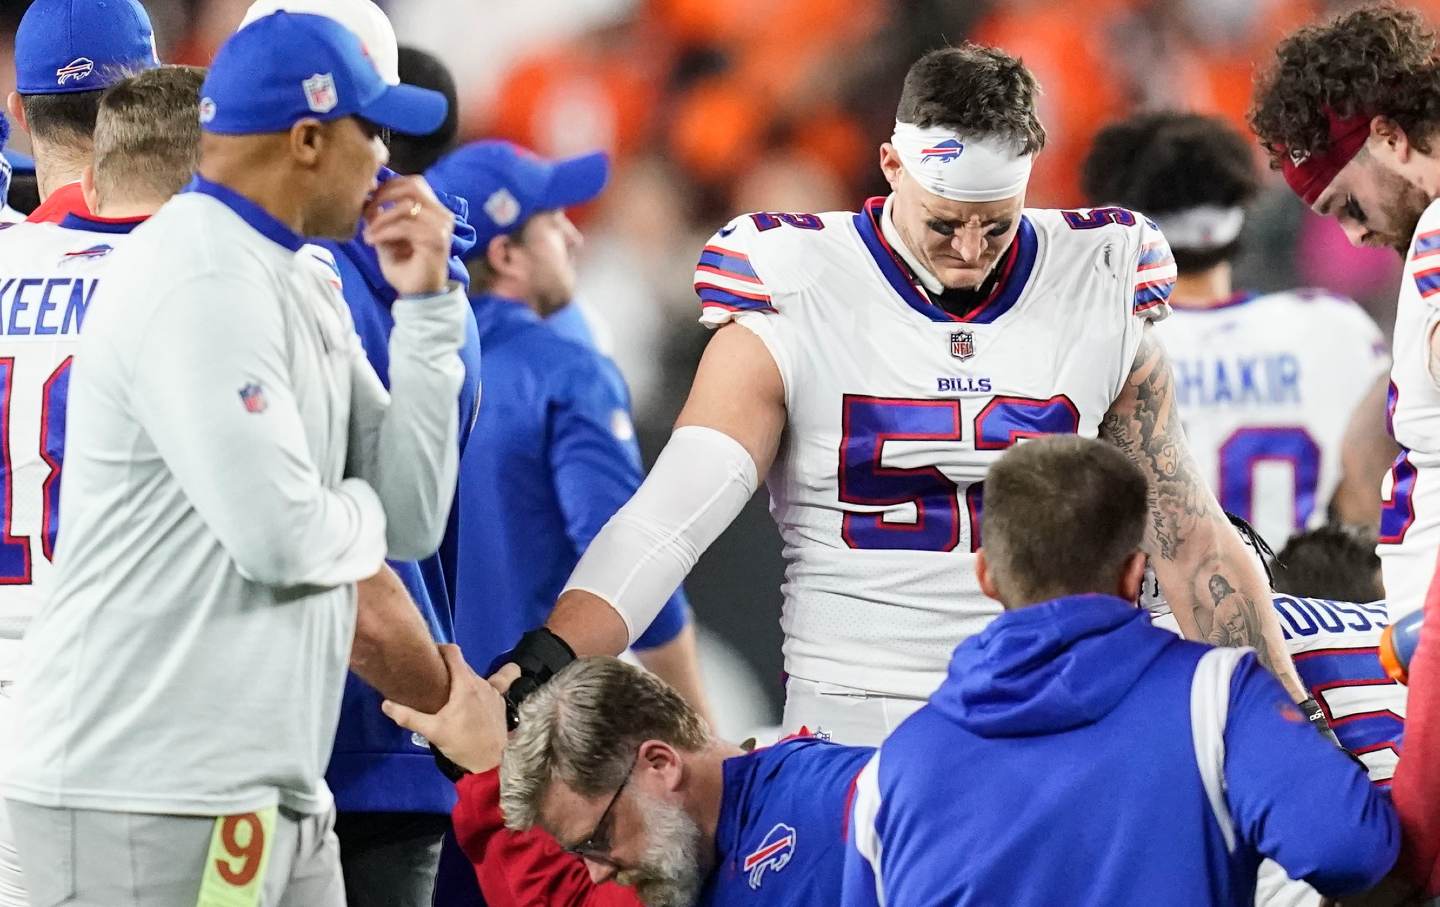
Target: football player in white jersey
x=1348, y=113
x=146, y=146
x=1267, y=384
x=871, y=365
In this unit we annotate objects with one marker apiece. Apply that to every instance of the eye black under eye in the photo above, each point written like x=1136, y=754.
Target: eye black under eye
x=941, y=227
x=1352, y=208
x=998, y=230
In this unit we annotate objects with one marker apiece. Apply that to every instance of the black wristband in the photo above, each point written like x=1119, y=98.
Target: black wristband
x=1316, y=716
x=448, y=768
x=540, y=655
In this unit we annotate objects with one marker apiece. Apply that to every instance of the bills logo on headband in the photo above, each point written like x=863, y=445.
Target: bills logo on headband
x=774, y=853
x=320, y=93
x=944, y=151
x=78, y=69
x=962, y=345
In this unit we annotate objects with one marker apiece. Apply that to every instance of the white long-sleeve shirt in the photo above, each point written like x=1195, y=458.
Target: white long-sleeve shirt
x=227, y=440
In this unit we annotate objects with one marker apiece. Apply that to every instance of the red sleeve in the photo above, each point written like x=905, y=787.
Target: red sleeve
x=523, y=869
x=1416, y=786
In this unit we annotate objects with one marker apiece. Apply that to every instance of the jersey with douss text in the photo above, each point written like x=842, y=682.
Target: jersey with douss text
x=48, y=275
x=1335, y=649
x=896, y=409
x=1267, y=386
x=1410, y=495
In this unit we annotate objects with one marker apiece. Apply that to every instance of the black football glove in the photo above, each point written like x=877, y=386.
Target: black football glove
x=540, y=655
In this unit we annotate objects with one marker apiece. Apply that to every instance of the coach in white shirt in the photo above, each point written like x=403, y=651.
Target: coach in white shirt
x=233, y=468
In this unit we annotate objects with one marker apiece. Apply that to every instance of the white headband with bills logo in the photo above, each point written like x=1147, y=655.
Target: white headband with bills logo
x=1203, y=228
x=962, y=170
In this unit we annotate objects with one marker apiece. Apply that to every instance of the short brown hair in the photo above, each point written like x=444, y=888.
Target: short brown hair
x=1373, y=61
x=974, y=90
x=1334, y=562
x=1061, y=517
x=147, y=133
x=584, y=728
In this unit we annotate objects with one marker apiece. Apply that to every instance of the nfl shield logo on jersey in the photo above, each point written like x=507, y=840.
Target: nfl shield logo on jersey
x=962, y=345
x=774, y=852
x=253, y=397
x=320, y=93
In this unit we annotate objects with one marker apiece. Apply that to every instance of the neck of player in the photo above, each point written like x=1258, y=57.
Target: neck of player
x=1203, y=289
x=706, y=792
x=238, y=167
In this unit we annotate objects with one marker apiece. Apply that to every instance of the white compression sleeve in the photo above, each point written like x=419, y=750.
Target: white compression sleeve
x=699, y=484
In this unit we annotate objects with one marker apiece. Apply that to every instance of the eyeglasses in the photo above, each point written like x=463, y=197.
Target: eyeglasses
x=597, y=845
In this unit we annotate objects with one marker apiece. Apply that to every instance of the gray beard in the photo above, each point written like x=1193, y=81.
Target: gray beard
x=669, y=873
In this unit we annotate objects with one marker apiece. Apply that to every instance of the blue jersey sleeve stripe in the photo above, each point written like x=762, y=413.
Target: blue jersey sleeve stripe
x=711, y=295
x=1149, y=295
x=1154, y=256
x=1427, y=242
x=731, y=264
x=1428, y=282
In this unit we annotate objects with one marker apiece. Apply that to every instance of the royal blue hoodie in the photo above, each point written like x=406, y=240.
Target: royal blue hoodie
x=1055, y=765
x=378, y=766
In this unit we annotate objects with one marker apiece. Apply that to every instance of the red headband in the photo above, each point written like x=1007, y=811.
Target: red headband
x=1310, y=174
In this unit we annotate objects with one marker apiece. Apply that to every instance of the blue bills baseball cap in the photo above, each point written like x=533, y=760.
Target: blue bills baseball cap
x=505, y=184
x=64, y=46
x=287, y=67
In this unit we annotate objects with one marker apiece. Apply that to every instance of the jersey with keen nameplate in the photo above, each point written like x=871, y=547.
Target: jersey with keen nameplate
x=48, y=275
x=896, y=409
x=1266, y=387
x=1410, y=494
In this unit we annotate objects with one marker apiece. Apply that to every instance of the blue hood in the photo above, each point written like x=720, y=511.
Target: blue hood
x=1049, y=667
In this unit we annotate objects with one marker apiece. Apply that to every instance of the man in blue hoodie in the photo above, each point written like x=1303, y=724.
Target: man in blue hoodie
x=1077, y=755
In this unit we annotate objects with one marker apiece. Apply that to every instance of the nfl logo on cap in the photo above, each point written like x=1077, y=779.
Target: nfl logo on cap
x=962, y=345
x=320, y=93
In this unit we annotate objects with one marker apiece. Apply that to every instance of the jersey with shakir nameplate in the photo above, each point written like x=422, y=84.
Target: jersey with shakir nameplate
x=1410, y=493
x=1267, y=386
x=48, y=275
x=896, y=409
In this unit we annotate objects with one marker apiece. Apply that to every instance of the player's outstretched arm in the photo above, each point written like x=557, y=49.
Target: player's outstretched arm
x=1206, y=574
x=393, y=651
x=725, y=438
x=1365, y=454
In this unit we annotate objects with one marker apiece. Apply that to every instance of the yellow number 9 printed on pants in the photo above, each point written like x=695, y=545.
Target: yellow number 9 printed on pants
x=235, y=866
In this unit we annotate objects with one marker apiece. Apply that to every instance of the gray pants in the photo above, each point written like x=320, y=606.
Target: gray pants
x=92, y=858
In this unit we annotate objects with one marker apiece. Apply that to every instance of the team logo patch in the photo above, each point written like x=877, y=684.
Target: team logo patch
x=502, y=207
x=320, y=93
x=962, y=344
x=89, y=254
x=944, y=152
x=78, y=69
x=774, y=853
x=207, y=110
x=253, y=396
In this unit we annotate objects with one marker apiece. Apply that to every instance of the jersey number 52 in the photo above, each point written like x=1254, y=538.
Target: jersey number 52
x=870, y=423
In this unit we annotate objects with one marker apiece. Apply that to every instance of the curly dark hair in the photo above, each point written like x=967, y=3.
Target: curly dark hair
x=1376, y=60
x=1168, y=161
x=973, y=90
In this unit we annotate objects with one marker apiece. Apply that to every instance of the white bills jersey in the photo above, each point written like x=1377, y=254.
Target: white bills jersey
x=48, y=275
x=1335, y=649
x=1410, y=494
x=896, y=409
x=1266, y=387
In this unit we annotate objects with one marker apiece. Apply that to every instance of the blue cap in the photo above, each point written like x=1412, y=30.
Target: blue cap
x=288, y=67
x=63, y=46
x=505, y=184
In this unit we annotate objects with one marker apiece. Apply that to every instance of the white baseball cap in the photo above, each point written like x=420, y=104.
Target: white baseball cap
x=363, y=17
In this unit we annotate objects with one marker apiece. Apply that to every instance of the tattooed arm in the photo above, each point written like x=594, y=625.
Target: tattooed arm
x=1214, y=587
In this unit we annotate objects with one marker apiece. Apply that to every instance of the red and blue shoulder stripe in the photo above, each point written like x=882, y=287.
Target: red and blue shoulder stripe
x=726, y=280
x=1154, y=276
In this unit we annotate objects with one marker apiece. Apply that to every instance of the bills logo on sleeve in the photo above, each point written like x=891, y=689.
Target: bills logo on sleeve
x=252, y=396
x=774, y=852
